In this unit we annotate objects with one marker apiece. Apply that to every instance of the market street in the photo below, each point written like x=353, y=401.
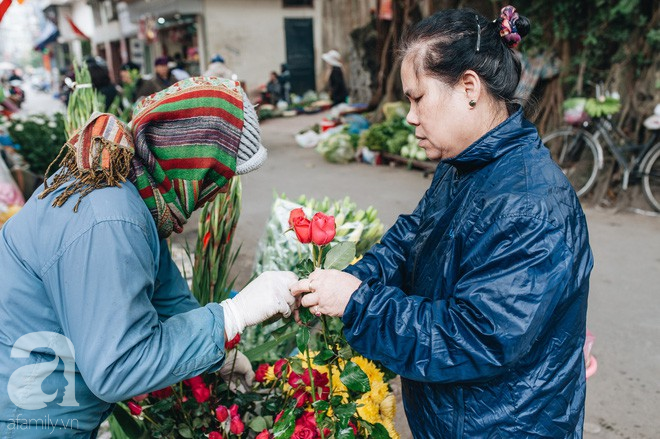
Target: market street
x=622, y=397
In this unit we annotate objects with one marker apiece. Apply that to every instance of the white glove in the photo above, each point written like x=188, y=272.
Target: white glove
x=237, y=371
x=263, y=298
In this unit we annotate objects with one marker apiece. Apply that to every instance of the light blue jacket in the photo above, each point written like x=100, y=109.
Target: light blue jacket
x=103, y=279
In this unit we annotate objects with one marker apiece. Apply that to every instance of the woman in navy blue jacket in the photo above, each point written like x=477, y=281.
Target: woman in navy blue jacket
x=478, y=299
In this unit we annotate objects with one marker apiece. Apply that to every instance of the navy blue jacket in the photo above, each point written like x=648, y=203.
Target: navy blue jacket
x=478, y=299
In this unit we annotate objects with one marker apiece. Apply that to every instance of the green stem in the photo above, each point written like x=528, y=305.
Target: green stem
x=325, y=337
x=311, y=380
x=231, y=375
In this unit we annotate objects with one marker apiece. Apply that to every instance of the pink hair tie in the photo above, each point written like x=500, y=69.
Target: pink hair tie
x=508, y=30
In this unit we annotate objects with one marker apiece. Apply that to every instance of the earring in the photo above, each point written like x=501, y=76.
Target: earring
x=472, y=103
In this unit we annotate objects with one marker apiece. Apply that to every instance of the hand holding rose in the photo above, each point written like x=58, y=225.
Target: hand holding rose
x=329, y=291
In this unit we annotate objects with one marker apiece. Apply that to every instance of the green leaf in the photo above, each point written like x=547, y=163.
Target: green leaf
x=185, y=431
x=305, y=315
x=345, y=411
x=321, y=405
x=258, y=424
x=302, y=338
x=285, y=426
x=323, y=357
x=346, y=433
x=257, y=353
x=354, y=378
x=340, y=256
x=296, y=365
x=129, y=425
x=346, y=352
x=379, y=432
x=304, y=268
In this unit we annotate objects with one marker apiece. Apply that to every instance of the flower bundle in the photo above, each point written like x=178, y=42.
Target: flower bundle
x=213, y=254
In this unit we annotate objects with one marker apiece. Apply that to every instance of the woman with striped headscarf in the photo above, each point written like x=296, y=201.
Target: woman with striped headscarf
x=88, y=278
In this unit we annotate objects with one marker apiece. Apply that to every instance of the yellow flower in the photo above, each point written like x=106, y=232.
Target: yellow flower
x=388, y=407
x=270, y=375
x=368, y=410
x=369, y=368
x=389, y=426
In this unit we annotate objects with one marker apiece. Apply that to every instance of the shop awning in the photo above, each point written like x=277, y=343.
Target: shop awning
x=48, y=35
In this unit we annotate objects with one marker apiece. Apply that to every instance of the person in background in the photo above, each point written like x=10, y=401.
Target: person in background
x=219, y=69
x=163, y=78
x=134, y=86
x=285, y=82
x=273, y=89
x=87, y=275
x=177, y=69
x=478, y=299
x=335, y=82
x=100, y=75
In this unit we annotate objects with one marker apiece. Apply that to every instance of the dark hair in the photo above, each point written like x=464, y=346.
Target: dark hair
x=449, y=44
x=129, y=66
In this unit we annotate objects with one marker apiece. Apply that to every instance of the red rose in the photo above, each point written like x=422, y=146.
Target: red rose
x=162, y=393
x=323, y=228
x=302, y=397
x=201, y=393
x=221, y=413
x=135, y=409
x=355, y=430
x=215, y=435
x=303, y=228
x=194, y=381
x=278, y=368
x=308, y=419
x=263, y=435
x=279, y=416
x=260, y=373
x=295, y=380
x=233, y=411
x=231, y=344
x=236, y=426
x=296, y=213
x=302, y=432
x=140, y=397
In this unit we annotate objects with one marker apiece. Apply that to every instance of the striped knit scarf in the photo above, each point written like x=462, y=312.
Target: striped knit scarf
x=183, y=140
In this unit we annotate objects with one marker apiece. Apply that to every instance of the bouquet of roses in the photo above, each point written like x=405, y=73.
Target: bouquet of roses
x=327, y=390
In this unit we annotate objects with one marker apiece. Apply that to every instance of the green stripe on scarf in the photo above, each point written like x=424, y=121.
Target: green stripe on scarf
x=202, y=103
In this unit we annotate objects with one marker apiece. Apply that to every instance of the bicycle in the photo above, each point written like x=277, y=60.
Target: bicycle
x=578, y=150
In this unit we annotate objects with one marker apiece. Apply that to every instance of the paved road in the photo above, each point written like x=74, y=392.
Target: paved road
x=623, y=397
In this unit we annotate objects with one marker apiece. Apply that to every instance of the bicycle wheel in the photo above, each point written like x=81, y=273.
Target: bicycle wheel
x=651, y=177
x=577, y=154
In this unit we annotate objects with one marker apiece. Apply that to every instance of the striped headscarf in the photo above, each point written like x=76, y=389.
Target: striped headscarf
x=185, y=143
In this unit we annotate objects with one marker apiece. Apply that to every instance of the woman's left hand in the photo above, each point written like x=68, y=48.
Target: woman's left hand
x=329, y=291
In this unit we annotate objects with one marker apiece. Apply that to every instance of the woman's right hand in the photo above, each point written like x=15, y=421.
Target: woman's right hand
x=263, y=298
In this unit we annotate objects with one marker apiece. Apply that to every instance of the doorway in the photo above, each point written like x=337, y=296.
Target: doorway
x=299, y=34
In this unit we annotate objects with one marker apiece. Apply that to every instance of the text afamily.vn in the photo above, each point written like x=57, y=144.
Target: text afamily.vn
x=20, y=423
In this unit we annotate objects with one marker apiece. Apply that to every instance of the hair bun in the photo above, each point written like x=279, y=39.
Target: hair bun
x=512, y=26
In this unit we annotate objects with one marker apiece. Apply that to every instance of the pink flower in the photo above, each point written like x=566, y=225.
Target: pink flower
x=221, y=413
x=201, y=393
x=236, y=426
x=264, y=435
x=294, y=214
x=139, y=398
x=215, y=435
x=135, y=409
x=323, y=228
x=233, y=411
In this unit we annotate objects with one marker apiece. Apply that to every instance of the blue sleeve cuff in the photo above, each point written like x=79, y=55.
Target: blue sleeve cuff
x=218, y=332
